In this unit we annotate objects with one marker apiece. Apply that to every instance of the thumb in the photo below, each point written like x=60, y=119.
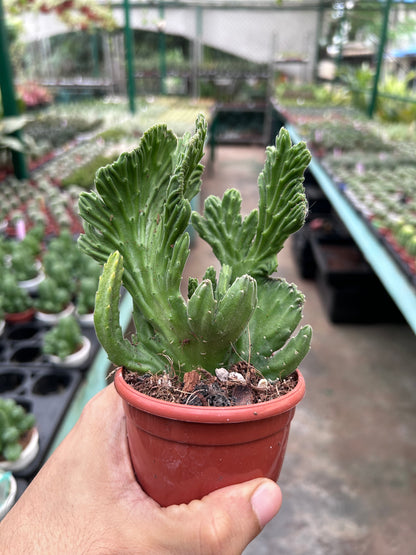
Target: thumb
x=226, y=520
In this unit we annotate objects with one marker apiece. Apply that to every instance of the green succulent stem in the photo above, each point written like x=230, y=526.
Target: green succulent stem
x=136, y=225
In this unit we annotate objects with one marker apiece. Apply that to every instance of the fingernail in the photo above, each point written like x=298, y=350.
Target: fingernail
x=266, y=501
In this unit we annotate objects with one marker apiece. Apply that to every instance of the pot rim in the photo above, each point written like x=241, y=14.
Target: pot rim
x=20, y=317
x=209, y=415
x=31, y=285
x=54, y=317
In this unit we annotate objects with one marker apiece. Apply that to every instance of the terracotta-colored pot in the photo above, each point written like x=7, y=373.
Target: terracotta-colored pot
x=181, y=452
x=20, y=317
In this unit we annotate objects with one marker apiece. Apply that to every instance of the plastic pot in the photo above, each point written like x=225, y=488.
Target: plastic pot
x=31, y=285
x=86, y=320
x=8, y=490
x=181, y=452
x=20, y=317
x=75, y=360
x=51, y=318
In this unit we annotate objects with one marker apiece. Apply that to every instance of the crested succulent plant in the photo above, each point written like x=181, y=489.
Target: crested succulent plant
x=136, y=224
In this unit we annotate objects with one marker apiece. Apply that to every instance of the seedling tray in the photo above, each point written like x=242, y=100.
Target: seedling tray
x=46, y=392
x=22, y=344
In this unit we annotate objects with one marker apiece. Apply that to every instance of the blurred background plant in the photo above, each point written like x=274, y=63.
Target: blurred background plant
x=15, y=421
x=63, y=339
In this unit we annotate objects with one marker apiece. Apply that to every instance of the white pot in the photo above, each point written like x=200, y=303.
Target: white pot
x=7, y=500
x=53, y=318
x=31, y=285
x=75, y=360
x=26, y=457
x=86, y=319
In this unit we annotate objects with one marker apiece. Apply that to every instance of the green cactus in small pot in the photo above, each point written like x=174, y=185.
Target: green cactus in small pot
x=63, y=339
x=15, y=299
x=15, y=421
x=58, y=267
x=33, y=240
x=52, y=297
x=136, y=225
x=23, y=263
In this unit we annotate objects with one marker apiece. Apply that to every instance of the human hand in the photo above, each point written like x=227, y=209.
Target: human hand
x=85, y=499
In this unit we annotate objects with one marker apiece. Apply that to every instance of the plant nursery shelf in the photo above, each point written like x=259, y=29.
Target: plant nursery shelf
x=390, y=274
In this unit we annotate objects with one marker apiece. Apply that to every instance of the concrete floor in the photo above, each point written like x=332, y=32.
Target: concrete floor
x=349, y=477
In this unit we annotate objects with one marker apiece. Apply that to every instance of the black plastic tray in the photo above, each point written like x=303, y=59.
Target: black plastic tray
x=22, y=344
x=318, y=225
x=47, y=392
x=341, y=262
x=350, y=290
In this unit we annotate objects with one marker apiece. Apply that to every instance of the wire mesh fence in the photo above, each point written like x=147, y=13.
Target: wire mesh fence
x=196, y=49
x=233, y=52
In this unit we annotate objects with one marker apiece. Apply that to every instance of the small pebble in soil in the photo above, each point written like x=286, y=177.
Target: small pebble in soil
x=263, y=384
x=222, y=374
x=236, y=377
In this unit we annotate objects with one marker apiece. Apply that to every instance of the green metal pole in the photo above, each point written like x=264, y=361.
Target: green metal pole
x=383, y=39
x=197, y=52
x=128, y=40
x=8, y=95
x=94, y=51
x=162, y=50
x=341, y=46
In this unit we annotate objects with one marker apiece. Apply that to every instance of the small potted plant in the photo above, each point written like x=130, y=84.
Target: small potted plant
x=58, y=267
x=85, y=300
x=65, y=345
x=33, y=240
x=224, y=360
x=26, y=267
x=19, y=437
x=53, y=301
x=18, y=305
